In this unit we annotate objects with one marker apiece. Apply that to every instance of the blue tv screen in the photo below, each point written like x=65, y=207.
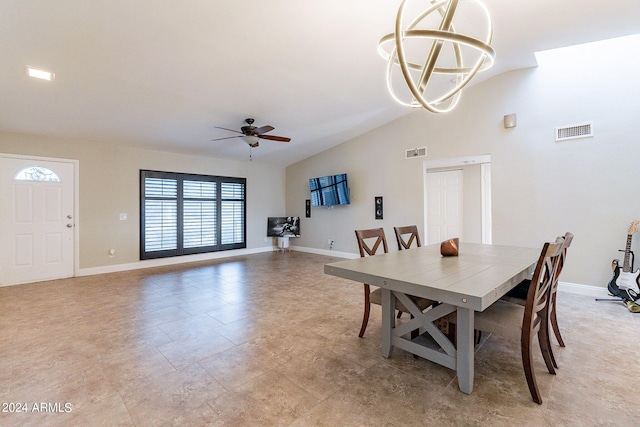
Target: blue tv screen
x=329, y=190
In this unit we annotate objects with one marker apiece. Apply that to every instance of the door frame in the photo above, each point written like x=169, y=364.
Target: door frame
x=454, y=162
x=76, y=199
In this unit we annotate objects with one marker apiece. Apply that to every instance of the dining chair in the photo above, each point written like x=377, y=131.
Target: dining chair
x=529, y=320
x=369, y=243
x=412, y=235
x=518, y=294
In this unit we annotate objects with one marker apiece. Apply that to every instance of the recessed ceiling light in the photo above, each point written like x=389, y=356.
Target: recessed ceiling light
x=40, y=74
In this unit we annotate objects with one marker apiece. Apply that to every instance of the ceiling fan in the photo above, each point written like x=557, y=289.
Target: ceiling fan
x=251, y=134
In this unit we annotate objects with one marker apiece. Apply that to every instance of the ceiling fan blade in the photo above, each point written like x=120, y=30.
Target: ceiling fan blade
x=264, y=129
x=228, y=137
x=275, y=138
x=231, y=130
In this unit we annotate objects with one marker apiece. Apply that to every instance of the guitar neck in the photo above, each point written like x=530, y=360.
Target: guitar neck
x=627, y=252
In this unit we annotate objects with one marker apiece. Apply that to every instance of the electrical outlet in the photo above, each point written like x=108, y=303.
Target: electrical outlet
x=331, y=242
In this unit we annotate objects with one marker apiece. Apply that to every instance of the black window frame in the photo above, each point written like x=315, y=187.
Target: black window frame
x=180, y=199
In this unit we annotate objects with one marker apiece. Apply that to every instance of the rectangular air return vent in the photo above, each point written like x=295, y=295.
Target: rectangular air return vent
x=416, y=152
x=584, y=130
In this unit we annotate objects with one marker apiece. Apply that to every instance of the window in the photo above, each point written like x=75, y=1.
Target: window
x=186, y=214
x=36, y=173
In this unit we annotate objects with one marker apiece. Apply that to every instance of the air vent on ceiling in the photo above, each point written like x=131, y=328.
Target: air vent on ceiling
x=584, y=130
x=416, y=152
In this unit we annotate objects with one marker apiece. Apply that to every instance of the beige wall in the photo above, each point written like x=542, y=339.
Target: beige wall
x=109, y=185
x=540, y=188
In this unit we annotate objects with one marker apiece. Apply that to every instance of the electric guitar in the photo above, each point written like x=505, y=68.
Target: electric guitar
x=625, y=278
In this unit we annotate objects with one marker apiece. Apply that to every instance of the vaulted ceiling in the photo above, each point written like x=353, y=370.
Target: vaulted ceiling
x=163, y=74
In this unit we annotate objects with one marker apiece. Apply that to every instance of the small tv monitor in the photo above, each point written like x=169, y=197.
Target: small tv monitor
x=283, y=226
x=329, y=190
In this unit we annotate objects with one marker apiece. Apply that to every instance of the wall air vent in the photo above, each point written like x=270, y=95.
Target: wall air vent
x=416, y=152
x=584, y=130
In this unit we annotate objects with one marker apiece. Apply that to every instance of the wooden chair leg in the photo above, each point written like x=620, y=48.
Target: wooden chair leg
x=549, y=348
x=367, y=309
x=545, y=342
x=554, y=322
x=545, y=348
x=527, y=364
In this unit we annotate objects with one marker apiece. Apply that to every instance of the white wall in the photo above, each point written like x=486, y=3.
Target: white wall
x=540, y=188
x=110, y=185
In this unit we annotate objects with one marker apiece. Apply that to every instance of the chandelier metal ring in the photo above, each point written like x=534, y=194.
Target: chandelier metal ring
x=445, y=34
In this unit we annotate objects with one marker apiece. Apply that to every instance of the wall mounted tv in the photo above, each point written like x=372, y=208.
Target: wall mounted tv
x=283, y=226
x=329, y=190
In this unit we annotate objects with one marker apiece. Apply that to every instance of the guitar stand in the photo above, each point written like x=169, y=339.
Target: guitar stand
x=618, y=299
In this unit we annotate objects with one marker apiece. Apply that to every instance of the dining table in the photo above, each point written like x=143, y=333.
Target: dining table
x=471, y=281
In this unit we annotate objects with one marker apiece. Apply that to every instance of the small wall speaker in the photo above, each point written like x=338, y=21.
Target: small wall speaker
x=378, y=205
x=307, y=208
x=510, y=121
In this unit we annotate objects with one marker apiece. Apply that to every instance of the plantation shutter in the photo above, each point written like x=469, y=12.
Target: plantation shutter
x=199, y=214
x=233, y=209
x=161, y=214
x=186, y=214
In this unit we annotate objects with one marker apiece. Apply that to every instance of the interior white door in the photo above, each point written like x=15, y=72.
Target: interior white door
x=444, y=205
x=36, y=220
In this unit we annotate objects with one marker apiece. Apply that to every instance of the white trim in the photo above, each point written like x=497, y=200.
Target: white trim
x=485, y=195
x=457, y=161
x=325, y=252
x=161, y=262
x=587, y=290
x=594, y=291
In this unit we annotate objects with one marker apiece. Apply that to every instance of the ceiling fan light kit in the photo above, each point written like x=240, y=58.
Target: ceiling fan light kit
x=252, y=140
x=442, y=67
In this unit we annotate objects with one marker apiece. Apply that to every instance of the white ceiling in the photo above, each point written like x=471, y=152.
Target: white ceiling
x=162, y=74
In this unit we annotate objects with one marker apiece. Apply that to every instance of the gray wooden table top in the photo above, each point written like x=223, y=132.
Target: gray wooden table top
x=475, y=279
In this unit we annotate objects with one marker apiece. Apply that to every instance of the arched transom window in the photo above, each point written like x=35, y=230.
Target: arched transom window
x=36, y=173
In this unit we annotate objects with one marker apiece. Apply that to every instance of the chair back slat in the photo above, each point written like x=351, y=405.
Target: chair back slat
x=539, y=290
x=367, y=247
x=405, y=243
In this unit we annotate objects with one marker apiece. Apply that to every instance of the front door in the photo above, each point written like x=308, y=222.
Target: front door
x=36, y=220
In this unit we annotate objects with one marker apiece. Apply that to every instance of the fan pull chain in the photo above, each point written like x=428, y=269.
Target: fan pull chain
x=250, y=151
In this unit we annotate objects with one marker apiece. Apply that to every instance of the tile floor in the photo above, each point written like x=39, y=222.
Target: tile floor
x=268, y=339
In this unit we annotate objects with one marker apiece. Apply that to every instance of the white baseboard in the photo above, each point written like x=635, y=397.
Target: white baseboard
x=324, y=252
x=594, y=291
x=160, y=262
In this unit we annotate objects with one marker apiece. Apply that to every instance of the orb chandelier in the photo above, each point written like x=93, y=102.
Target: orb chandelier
x=436, y=82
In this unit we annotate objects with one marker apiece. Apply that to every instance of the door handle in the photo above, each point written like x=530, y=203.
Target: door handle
x=69, y=225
